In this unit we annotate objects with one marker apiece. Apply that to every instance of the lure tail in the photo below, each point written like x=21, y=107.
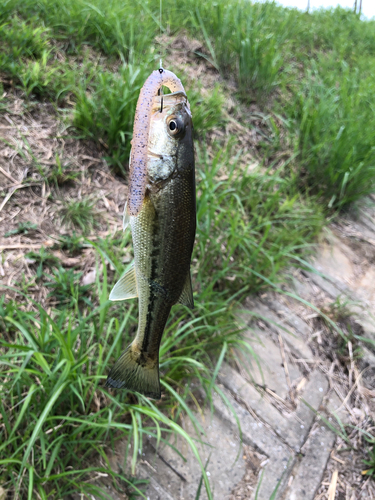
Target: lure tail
x=135, y=372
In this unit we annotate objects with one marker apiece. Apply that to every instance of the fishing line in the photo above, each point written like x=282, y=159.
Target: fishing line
x=160, y=11
x=161, y=62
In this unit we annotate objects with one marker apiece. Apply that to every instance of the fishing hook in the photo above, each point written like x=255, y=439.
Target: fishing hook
x=160, y=91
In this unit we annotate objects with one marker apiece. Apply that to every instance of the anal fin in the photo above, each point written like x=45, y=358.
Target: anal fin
x=186, y=297
x=126, y=287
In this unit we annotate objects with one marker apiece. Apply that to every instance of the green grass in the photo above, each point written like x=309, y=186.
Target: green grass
x=70, y=243
x=247, y=221
x=28, y=57
x=105, y=107
x=335, y=147
x=55, y=364
x=22, y=228
x=23, y=38
x=43, y=78
x=315, y=70
x=207, y=110
x=42, y=259
x=66, y=289
x=79, y=214
x=61, y=173
x=369, y=464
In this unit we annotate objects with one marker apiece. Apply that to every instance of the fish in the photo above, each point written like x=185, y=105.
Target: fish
x=162, y=219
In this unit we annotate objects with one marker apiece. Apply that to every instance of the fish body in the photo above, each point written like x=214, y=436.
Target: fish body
x=163, y=235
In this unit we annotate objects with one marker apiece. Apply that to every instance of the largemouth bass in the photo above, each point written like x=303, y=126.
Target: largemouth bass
x=163, y=232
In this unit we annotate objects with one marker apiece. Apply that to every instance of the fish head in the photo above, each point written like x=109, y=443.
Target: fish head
x=170, y=137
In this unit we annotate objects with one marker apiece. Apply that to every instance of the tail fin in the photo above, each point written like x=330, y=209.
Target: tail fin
x=136, y=374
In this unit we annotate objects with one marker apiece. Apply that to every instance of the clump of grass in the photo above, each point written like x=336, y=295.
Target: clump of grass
x=80, y=214
x=61, y=174
x=106, y=112
x=65, y=287
x=22, y=228
x=244, y=40
x=336, y=156
x=71, y=243
x=207, y=109
x=260, y=57
x=52, y=393
x=43, y=259
x=27, y=56
x=45, y=78
x=6, y=308
x=60, y=407
x=23, y=38
x=331, y=30
x=110, y=28
x=370, y=462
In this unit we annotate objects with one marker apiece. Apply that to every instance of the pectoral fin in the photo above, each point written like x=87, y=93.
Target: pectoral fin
x=126, y=218
x=126, y=287
x=186, y=297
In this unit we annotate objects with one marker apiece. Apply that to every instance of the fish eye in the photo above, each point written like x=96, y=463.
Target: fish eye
x=175, y=126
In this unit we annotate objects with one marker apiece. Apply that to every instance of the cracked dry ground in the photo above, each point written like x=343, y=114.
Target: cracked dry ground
x=308, y=379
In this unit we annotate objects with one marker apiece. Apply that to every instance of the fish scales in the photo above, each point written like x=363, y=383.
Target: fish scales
x=163, y=235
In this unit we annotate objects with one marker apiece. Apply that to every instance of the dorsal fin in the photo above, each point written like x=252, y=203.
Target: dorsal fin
x=186, y=297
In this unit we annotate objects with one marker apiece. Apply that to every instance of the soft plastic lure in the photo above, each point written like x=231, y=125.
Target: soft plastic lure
x=142, y=119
